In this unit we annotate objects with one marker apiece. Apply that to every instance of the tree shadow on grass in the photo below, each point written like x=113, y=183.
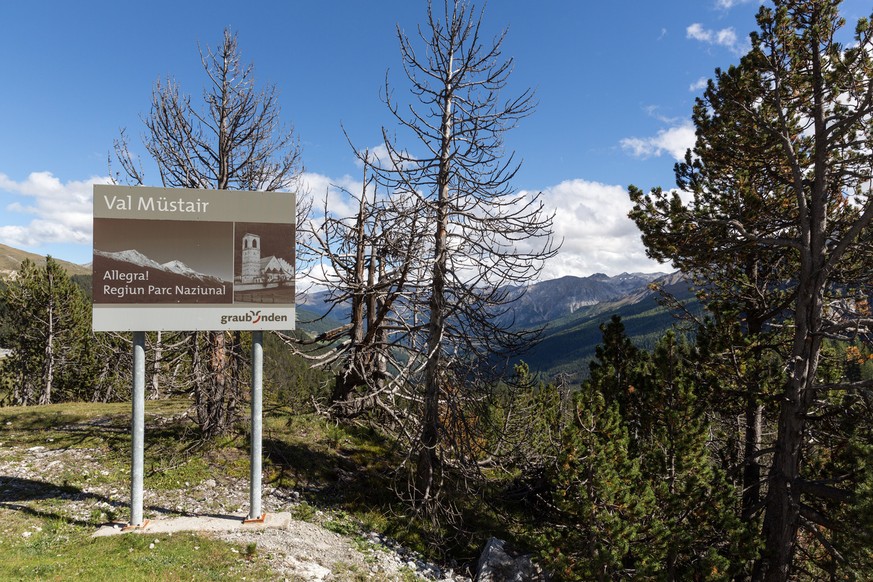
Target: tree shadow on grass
x=30, y=497
x=113, y=430
x=300, y=466
x=326, y=478
x=25, y=495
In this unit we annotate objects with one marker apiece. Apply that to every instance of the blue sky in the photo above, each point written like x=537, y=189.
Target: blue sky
x=615, y=83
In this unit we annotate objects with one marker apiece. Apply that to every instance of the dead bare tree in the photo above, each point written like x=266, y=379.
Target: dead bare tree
x=367, y=262
x=233, y=140
x=483, y=239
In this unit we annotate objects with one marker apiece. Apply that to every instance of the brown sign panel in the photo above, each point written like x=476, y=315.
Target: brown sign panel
x=186, y=260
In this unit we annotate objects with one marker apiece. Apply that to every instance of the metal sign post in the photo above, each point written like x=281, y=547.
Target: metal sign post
x=255, y=513
x=137, y=430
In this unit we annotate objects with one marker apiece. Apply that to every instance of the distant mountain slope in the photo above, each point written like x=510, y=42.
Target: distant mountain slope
x=11, y=259
x=568, y=343
x=539, y=303
x=317, y=305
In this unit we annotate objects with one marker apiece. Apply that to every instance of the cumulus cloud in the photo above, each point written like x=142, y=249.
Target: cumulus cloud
x=378, y=154
x=724, y=37
x=335, y=189
x=674, y=141
x=61, y=212
x=591, y=218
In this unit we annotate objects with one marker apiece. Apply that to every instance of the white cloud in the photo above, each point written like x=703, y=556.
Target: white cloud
x=338, y=201
x=699, y=84
x=61, y=211
x=728, y=4
x=591, y=218
x=377, y=154
x=726, y=37
x=674, y=140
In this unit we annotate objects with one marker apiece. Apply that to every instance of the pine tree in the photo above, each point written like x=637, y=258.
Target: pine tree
x=52, y=345
x=616, y=362
x=780, y=178
x=600, y=497
x=640, y=425
x=695, y=525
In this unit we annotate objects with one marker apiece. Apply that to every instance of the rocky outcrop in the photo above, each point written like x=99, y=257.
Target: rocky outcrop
x=500, y=562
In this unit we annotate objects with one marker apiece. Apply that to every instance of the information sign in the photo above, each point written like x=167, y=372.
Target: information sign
x=192, y=260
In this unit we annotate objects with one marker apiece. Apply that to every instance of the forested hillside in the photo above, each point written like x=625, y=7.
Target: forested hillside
x=12, y=258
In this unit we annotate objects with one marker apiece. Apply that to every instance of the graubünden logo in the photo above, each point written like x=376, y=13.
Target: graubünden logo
x=253, y=317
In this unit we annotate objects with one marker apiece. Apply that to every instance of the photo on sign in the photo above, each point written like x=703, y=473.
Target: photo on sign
x=263, y=263
x=148, y=261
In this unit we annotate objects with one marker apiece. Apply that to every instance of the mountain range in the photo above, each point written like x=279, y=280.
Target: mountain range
x=547, y=301
x=568, y=341
x=570, y=311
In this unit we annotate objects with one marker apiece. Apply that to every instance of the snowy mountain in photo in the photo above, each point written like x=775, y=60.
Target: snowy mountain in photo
x=182, y=269
x=134, y=257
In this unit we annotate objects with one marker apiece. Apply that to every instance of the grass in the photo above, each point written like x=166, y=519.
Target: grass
x=53, y=549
